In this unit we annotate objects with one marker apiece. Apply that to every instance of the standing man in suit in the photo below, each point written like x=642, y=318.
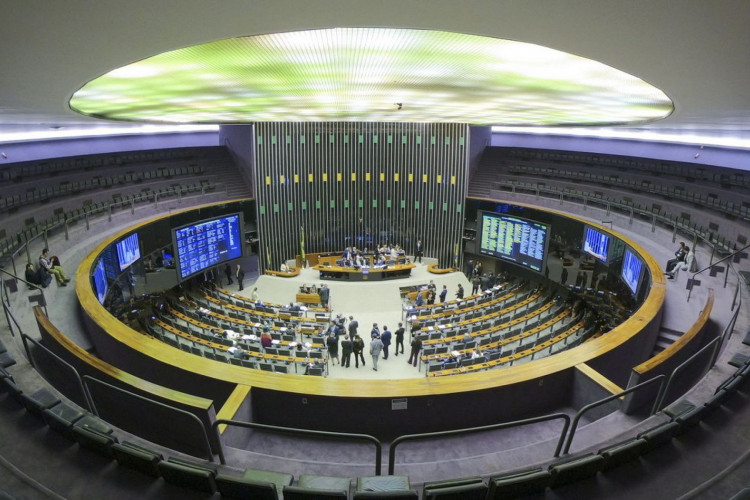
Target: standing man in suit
x=376, y=347
x=353, y=325
x=416, y=346
x=443, y=293
x=418, y=252
x=385, y=338
x=375, y=332
x=240, y=274
x=400, y=338
x=346, y=352
x=324, y=294
x=358, y=347
x=228, y=272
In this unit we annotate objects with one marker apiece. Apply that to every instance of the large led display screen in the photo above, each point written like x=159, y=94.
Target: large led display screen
x=632, y=267
x=128, y=251
x=371, y=74
x=596, y=243
x=207, y=243
x=100, y=281
x=518, y=240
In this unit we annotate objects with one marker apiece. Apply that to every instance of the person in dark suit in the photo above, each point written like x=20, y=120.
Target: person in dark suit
x=353, y=325
x=346, y=351
x=400, y=338
x=418, y=252
x=375, y=332
x=416, y=346
x=443, y=293
x=358, y=347
x=240, y=274
x=679, y=256
x=385, y=338
x=228, y=272
x=324, y=294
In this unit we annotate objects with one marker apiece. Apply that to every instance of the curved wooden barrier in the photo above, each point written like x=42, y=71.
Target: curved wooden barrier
x=276, y=397
x=434, y=269
x=671, y=357
x=128, y=416
x=294, y=271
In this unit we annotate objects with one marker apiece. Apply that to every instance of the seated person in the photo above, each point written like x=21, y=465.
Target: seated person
x=284, y=268
x=265, y=339
x=31, y=275
x=360, y=261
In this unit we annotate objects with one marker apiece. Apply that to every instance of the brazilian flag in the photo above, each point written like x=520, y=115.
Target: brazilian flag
x=302, y=244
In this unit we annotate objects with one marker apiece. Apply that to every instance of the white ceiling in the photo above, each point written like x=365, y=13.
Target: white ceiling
x=696, y=51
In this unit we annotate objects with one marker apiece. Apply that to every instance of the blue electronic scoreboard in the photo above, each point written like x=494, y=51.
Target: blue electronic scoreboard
x=208, y=243
x=511, y=238
x=632, y=268
x=596, y=243
x=128, y=251
x=100, y=281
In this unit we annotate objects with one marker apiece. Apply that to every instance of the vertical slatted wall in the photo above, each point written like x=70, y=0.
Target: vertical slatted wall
x=360, y=184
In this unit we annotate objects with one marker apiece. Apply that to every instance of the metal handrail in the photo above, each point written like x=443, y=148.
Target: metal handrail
x=304, y=432
x=595, y=404
x=86, y=396
x=682, y=366
x=471, y=430
x=105, y=208
x=690, y=291
x=673, y=220
x=88, y=378
x=32, y=285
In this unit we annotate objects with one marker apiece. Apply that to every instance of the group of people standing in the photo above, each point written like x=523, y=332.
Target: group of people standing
x=352, y=343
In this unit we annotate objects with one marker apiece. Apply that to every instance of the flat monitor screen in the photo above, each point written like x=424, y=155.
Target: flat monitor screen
x=596, y=243
x=100, y=281
x=631, y=270
x=518, y=240
x=128, y=251
x=207, y=243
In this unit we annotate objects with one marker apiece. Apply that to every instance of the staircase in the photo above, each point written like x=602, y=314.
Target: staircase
x=224, y=171
x=666, y=338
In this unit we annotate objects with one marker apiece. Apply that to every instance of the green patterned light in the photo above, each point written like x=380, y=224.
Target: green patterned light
x=371, y=74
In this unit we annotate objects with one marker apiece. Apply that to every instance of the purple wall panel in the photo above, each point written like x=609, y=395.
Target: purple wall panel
x=709, y=155
x=40, y=150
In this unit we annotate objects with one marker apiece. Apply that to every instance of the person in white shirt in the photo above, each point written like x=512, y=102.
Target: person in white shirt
x=686, y=265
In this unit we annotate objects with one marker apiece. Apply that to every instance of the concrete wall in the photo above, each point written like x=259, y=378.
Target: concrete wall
x=240, y=141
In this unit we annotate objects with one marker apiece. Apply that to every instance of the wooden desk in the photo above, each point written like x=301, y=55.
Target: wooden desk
x=370, y=274
x=307, y=298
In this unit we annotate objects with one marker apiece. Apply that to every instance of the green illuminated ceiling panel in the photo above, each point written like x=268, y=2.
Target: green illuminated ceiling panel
x=371, y=74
